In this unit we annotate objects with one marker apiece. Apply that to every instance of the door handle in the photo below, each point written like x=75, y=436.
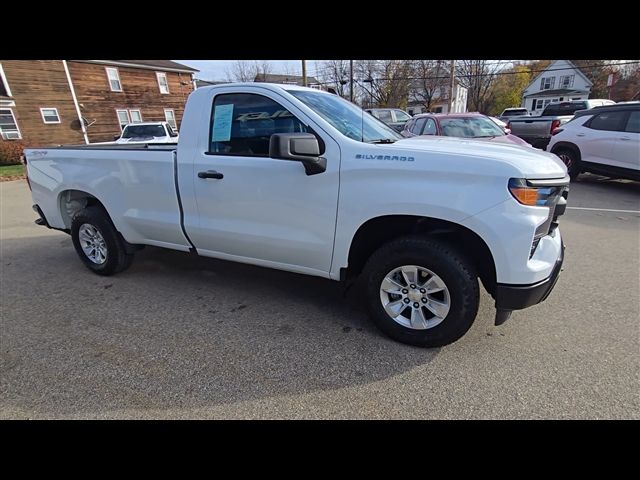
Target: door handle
x=210, y=174
x=625, y=138
x=579, y=134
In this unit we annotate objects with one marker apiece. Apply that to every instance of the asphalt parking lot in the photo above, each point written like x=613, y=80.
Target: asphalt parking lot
x=177, y=336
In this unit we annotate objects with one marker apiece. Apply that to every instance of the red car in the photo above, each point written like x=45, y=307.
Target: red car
x=464, y=125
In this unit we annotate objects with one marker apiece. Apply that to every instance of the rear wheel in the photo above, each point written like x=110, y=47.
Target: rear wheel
x=421, y=291
x=98, y=243
x=570, y=158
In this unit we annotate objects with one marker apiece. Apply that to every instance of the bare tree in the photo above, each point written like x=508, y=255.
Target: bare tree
x=430, y=83
x=386, y=82
x=246, y=71
x=335, y=73
x=478, y=77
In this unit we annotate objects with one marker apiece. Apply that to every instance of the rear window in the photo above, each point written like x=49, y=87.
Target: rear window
x=137, y=131
x=565, y=108
x=513, y=113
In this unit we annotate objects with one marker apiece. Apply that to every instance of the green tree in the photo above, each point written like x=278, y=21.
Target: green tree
x=508, y=88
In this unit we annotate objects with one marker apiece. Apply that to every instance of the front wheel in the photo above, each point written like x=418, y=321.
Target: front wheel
x=570, y=158
x=421, y=291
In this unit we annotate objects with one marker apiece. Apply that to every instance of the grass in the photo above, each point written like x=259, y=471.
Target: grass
x=11, y=170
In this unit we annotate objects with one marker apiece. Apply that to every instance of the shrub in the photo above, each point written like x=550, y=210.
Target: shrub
x=10, y=151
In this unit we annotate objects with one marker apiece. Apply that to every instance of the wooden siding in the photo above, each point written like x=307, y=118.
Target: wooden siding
x=37, y=84
x=140, y=92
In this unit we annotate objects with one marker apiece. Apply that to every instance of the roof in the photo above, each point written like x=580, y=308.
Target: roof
x=556, y=92
x=609, y=108
x=570, y=64
x=454, y=114
x=286, y=79
x=207, y=83
x=164, y=65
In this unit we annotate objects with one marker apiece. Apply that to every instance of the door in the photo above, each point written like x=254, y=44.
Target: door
x=626, y=150
x=262, y=210
x=598, y=137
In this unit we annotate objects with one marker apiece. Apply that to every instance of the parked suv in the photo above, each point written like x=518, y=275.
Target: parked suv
x=603, y=140
x=394, y=117
x=538, y=130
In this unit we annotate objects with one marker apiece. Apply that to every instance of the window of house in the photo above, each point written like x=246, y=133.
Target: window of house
x=5, y=91
x=123, y=118
x=8, y=125
x=114, y=79
x=135, y=116
x=437, y=110
x=547, y=83
x=566, y=81
x=170, y=117
x=50, y=115
x=633, y=124
x=242, y=124
x=162, y=82
x=609, y=121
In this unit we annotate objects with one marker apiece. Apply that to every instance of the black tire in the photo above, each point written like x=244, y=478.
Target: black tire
x=117, y=258
x=571, y=159
x=458, y=274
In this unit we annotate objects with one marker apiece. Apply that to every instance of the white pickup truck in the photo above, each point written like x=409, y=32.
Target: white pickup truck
x=298, y=179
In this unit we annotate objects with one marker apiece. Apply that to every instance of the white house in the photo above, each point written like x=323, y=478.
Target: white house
x=560, y=81
x=440, y=103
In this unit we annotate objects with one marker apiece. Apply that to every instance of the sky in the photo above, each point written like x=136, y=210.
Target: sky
x=216, y=69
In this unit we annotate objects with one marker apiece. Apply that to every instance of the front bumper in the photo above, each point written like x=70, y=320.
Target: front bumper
x=516, y=297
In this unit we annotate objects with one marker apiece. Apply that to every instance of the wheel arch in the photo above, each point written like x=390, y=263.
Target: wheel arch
x=568, y=145
x=71, y=201
x=377, y=231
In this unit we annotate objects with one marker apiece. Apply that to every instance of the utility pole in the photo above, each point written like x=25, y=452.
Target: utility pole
x=452, y=84
x=351, y=77
x=304, y=73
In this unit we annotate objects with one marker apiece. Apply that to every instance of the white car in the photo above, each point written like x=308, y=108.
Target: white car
x=604, y=140
x=148, y=132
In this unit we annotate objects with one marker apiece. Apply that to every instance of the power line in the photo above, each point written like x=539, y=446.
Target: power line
x=494, y=74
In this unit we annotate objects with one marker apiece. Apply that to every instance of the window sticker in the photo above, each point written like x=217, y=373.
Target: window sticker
x=222, y=117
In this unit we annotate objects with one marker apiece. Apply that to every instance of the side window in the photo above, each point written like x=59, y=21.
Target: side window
x=242, y=124
x=417, y=127
x=430, y=127
x=633, y=124
x=609, y=121
x=385, y=115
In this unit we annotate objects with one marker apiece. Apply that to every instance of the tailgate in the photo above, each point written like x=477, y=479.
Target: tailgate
x=530, y=127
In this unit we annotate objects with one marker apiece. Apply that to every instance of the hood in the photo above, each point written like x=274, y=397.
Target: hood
x=530, y=162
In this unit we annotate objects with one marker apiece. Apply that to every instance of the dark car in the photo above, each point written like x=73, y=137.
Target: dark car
x=463, y=125
x=394, y=117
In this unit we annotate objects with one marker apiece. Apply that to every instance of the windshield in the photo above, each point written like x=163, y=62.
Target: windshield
x=470, y=127
x=136, y=131
x=347, y=118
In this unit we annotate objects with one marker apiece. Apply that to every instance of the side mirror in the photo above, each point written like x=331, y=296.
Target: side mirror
x=116, y=137
x=300, y=147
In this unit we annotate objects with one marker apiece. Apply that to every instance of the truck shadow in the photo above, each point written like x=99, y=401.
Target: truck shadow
x=177, y=331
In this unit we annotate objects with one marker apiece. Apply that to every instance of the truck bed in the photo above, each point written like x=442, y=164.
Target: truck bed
x=136, y=183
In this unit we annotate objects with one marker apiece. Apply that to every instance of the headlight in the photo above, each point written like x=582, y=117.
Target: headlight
x=538, y=196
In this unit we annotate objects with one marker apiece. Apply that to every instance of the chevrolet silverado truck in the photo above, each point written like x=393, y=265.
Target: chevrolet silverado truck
x=538, y=130
x=298, y=179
